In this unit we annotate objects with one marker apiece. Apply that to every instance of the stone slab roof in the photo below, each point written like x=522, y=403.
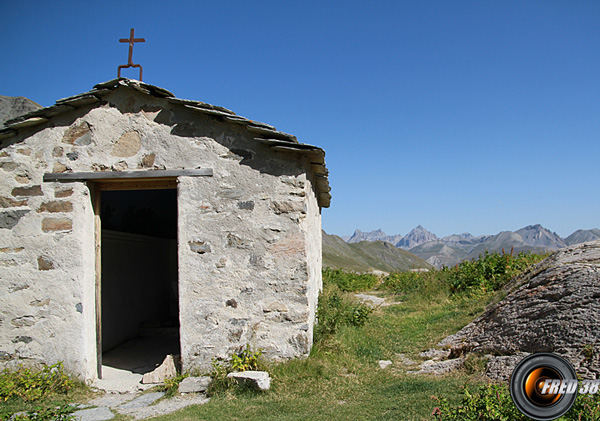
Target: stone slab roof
x=263, y=133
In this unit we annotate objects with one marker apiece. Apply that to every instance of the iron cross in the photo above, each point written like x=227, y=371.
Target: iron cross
x=131, y=40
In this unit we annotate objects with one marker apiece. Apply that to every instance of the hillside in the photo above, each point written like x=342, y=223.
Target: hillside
x=365, y=256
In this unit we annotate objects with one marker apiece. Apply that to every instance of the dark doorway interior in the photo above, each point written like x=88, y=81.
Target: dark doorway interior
x=139, y=297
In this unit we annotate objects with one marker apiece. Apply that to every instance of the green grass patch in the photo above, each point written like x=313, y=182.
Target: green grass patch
x=341, y=379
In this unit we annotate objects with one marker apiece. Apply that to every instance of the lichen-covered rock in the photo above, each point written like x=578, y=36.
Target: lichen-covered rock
x=552, y=307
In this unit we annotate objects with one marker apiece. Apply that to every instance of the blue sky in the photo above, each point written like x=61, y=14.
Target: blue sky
x=461, y=116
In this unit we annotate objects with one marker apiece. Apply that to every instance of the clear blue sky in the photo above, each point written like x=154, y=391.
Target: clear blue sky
x=475, y=116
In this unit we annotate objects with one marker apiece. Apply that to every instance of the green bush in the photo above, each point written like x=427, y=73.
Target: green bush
x=335, y=310
x=247, y=360
x=490, y=402
x=171, y=386
x=414, y=282
x=488, y=273
x=36, y=392
x=31, y=385
x=348, y=281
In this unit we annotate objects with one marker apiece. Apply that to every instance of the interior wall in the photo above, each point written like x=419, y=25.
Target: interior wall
x=139, y=262
x=138, y=284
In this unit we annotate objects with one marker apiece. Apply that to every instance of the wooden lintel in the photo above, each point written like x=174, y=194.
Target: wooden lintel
x=136, y=184
x=117, y=175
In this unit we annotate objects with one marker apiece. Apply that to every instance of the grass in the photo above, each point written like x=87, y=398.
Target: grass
x=341, y=379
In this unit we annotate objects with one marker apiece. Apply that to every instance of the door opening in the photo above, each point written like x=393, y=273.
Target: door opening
x=139, y=302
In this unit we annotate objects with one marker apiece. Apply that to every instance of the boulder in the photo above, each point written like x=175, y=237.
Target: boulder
x=552, y=307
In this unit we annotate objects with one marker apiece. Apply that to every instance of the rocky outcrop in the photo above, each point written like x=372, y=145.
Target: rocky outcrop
x=552, y=307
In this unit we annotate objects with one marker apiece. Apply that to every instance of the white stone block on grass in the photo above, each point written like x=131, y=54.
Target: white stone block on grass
x=257, y=379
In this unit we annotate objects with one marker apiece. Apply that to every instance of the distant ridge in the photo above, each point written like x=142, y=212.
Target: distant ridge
x=366, y=256
x=455, y=248
x=377, y=235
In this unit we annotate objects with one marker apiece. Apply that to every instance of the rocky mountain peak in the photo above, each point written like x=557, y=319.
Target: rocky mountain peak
x=538, y=236
x=416, y=236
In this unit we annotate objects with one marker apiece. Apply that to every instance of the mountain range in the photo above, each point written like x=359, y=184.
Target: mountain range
x=367, y=256
x=455, y=248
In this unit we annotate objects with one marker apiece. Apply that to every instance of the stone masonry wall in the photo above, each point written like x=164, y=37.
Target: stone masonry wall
x=249, y=237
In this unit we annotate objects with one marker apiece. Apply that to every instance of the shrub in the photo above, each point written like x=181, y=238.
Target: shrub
x=31, y=385
x=335, y=311
x=349, y=281
x=247, y=360
x=242, y=361
x=492, y=402
x=414, y=282
x=488, y=273
x=171, y=386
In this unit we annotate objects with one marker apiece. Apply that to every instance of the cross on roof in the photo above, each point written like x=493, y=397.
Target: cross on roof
x=131, y=40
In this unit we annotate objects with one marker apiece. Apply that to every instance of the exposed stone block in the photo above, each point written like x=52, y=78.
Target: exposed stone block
x=148, y=160
x=59, y=168
x=27, y=191
x=23, y=321
x=63, y=192
x=249, y=205
x=73, y=156
x=231, y=194
x=11, y=249
x=275, y=306
x=199, y=247
x=7, y=202
x=78, y=134
x=8, y=166
x=56, y=206
x=22, y=179
x=120, y=166
x=194, y=384
x=57, y=151
x=128, y=145
x=40, y=303
x=24, y=339
x=256, y=379
x=291, y=246
x=235, y=241
x=56, y=224
x=8, y=219
x=45, y=263
x=288, y=206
